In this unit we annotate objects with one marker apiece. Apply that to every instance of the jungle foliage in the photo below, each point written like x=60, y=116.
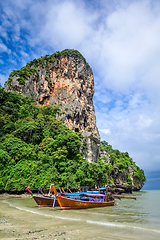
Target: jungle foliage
x=36, y=149
x=123, y=161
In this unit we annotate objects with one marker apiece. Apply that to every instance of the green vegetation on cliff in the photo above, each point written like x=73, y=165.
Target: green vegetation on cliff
x=122, y=161
x=31, y=68
x=36, y=149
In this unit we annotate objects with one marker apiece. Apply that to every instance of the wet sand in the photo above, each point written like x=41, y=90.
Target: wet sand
x=19, y=224
x=21, y=218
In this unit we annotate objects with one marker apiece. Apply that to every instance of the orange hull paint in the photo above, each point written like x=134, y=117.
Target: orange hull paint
x=67, y=203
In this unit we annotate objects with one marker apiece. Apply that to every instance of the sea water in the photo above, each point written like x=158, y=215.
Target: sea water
x=128, y=219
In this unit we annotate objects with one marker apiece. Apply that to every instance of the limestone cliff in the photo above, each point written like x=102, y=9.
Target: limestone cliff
x=125, y=175
x=120, y=180
x=65, y=79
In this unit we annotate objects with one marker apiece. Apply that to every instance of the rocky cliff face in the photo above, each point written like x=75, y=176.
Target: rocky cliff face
x=67, y=81
x=120, y=180
x=63, y=79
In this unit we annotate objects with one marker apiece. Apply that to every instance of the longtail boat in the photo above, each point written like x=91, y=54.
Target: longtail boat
x=43, y=200
x=82, y=201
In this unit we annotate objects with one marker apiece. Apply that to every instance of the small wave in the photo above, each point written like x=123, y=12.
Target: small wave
x=88, y=221
x=75, y=219
x=122, y=226
x=107, y=224
x=99, y=213
x=40, y=213
x=145, y=229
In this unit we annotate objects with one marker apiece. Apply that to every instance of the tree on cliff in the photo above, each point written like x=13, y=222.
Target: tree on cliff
x=122, y=162
x=36, y=149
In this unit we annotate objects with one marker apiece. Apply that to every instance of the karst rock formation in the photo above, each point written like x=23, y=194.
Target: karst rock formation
x=65, y=79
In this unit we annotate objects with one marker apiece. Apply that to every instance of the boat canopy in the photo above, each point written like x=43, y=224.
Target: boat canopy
x=102, y=188
x=92, y=195
x=72, y=194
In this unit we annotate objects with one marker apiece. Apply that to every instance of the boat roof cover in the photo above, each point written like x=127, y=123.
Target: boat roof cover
x=92, y=195
x=72, y=194
x=102, y=188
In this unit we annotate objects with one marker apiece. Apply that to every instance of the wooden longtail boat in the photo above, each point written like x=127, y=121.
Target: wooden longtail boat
x=90, y=202
x=43, y=200
x=69, y=203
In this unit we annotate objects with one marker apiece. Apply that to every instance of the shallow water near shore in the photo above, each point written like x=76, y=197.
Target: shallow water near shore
x=128, y=219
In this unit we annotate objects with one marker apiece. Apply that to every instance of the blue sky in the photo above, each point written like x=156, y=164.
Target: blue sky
x=120, y=40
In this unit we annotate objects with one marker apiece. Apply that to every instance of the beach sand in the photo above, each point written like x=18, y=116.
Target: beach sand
x=21, y=218
x=19, y=224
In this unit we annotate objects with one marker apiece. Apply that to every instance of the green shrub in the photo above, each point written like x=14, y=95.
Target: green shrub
x=36, y=149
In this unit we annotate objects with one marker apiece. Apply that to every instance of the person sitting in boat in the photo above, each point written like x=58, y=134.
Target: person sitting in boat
x=108, y=197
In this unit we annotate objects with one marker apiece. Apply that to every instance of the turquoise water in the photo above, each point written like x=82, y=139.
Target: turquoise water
x=128, y=219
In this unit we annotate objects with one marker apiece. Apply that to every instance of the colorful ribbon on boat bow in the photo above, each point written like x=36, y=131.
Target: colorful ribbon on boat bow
x=32, y=196
x=29, y=190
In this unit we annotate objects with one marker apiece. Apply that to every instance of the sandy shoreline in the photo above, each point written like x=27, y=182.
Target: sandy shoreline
x=21, y=218
x=19, y=224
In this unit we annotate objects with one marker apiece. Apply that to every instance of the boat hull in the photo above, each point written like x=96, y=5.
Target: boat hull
x=68, y=203
x=43, y=201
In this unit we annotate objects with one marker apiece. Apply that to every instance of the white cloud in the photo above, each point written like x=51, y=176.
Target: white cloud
x=130, y=43
x=67, y=25
x=106, y=131
x=3, y=79
x=4, y=48
x=133, y=129
x=144, y=122
x=128, y=67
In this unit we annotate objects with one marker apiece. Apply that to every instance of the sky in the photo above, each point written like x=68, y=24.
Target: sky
x=120, y=40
